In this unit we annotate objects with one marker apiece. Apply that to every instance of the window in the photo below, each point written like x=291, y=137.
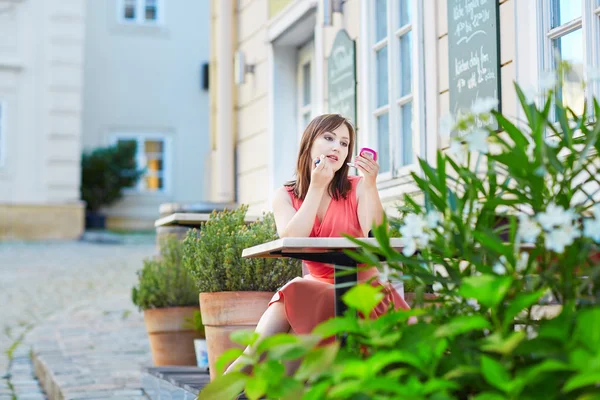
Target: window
x=571, y=34
x=2, y=131
x=152, y=155
x=391, y=60
x=140, y=11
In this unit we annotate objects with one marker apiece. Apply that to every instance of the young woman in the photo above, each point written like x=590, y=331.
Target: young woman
x=323, y=201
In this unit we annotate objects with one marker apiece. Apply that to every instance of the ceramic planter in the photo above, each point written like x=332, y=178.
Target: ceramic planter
x=226, y=312
x=171, y=338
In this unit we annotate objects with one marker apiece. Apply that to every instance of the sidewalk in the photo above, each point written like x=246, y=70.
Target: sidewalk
x=92, y=351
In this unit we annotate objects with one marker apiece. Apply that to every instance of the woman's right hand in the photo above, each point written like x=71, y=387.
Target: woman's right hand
x=322, y=173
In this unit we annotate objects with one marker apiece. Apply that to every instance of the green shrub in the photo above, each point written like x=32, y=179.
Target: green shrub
x=105, y=172
x=164, y=281
x=214, y=255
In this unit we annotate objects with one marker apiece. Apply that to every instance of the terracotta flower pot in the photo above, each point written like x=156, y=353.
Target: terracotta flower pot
x=226, y=312
x=171, y=340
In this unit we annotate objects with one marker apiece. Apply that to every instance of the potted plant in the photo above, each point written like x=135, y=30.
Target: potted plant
x=234, y=292
x=167, y=295
x=105, y=172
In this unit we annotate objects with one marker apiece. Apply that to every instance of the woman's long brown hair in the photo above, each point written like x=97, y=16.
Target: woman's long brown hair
x=340, y=185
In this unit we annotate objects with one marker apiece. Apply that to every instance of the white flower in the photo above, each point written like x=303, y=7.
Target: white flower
x=528, y=229
x=559, y=238
x=410, y=247
x=413, y=226
x=555, y=216
x=457, y=148
x=548, y=81
x=530, y=94
x=552, y=141
x=447, y=125
x=384, y=275
x=477, y=141
x=484, y=105
x=591, y=229
x=433, y=219
x=530, y=151
x=474, y=303
x=437, y=287
x=522, y=262
x=499, y=269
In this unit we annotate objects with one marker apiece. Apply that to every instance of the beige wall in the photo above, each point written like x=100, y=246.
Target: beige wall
x=147, y=80
x=41, y=79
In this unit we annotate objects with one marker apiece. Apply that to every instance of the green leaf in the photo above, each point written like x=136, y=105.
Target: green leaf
x=225, y=387
x=495, y=374
x=463, y=324
x=532, y=373
x=337, y=325
x=495, y=343
x=489, y=396
x=276, y=340
x=244, y=337
x=256, y=387
x=488, y=290
x=435, y=385
x=317, y=391
x=363, y=298
x=317, y=361
x=288, y=352
x=492, y=242
x=521, y=302
x=587, y=329
x=226, y=358
x=460, y=371
x=591, y=378
x=346, y=389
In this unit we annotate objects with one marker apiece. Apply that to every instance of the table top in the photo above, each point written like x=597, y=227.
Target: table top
x=281, y=247
x=191, y=219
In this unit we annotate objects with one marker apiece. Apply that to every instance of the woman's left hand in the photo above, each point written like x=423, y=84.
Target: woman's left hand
x=368, y=167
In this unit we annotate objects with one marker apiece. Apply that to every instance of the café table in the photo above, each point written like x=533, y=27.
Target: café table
x=325, y=250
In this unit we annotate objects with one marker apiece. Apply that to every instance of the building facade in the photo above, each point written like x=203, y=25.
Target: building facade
x=145, y=82
x=415, y=61
x=41, y=86
x=79, y=74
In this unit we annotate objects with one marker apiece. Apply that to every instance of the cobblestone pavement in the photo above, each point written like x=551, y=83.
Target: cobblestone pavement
x=51, y=293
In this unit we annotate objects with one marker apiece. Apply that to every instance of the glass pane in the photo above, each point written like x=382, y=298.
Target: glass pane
x=405, y=12
x=1, y=133
x=382, y=77
x=383, y=142
x=155, y=165
x=380, y=19
x=153, y=146
x=564, y=11
x=150, y=13
x=570, y=48
x=306, y=84
x=406, y=64
x=406, y=134
x=305, y=120
x=154, y=183
x=129, y=11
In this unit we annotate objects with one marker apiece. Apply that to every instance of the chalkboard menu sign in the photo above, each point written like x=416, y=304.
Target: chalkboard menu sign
x=474, y=52
x=341, y=76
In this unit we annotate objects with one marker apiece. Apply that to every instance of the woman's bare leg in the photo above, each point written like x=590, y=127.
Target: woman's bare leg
x=273, y=321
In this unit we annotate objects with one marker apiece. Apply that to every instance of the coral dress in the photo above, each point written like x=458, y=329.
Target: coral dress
x=309, y=300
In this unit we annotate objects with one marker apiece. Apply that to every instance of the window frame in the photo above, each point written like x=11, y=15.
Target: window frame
x=140, y=18
x=589, y=23
x=395, y=101
x=3, y=135
x=140, y=139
